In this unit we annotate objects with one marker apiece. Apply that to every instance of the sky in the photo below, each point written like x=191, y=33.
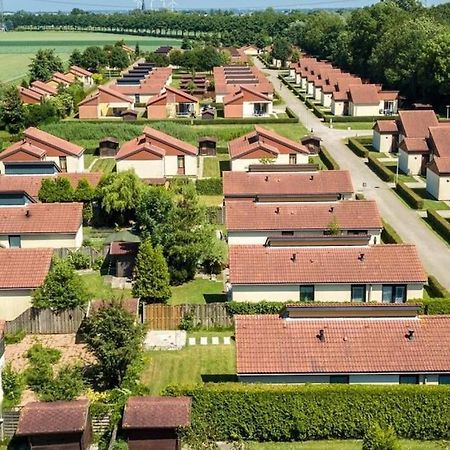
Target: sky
x=118, y=5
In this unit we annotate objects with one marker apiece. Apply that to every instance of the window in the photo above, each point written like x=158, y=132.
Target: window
x=358, y=293
x=444, y=379
x=306, y=293
x=14, y=241
x=357, y=232
x=393, y=293
x=63, y=163
x=180, y=165
x=409, y=379
x=137, y=98
x=287, y=233
x=339, y=379
x=293, y=158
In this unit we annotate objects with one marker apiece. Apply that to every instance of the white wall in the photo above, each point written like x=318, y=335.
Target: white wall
x=54, y=240
x=318, y=93
x=257, y=293
x=310, y=88
x=74, y=164
x=337, y=108
x=303, y=82
x=143, y=168
x=382, y=142
x=325, y=99
x=438, y=186
x=14, y=302
x=79, y=237
x=409, y=163
x=363, y=110
x=249, y=107
x=190, y=165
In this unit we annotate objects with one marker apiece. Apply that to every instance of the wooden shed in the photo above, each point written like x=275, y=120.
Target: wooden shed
x=207, y=146
x=152, y=423
x=312, y=143
x=129, y=115
x=123, y=255
x=108, y=146
x=208, y=113
x=63, y=425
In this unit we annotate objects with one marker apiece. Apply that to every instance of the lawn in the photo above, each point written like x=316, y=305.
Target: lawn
x=99, y=289
x=191, y=365
x=88, y=159
x=18, y=47
x=429, y=202
x=352, y=125
x=211, y=200
x=342, y=445
x=105, y=165
x=211, y=164
x=198, y=291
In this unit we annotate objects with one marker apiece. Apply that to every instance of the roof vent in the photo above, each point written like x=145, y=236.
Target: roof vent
x=410, y=335
x=266, y=178
x=321, y=335
x=28, y=213
x=293, y=257
x=311, y=177
x=277, y=210
x=331, y=209
x=361, y=257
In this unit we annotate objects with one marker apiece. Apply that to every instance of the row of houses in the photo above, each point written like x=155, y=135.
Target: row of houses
x=423, y=147
x=40, y=90
x=344, y=93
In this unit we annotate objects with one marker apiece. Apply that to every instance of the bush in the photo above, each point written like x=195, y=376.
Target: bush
x=357, y=148
x=282, y=413
x=436, y=288
x=15, y=337
x=410, y=197
x=263, y=307
x=177, y=184
x=78, y=260
x=39, y=355
x=433, y=306
x=377, y=438
x=13, y=384
x=389, y=235
x=382, y=171
x=328, y=160
x=439, y=224
x=209, y=186
x=66, y=385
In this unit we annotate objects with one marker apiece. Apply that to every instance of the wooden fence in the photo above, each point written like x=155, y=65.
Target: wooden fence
x=165, y=317
x=46, y=321
x=90, y=252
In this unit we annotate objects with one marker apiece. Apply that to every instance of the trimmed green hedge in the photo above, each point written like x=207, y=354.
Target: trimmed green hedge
x=327, y=159
x=389, y=235
x=335, y=119
x=434, y=306
x=282, y=413
x=357, y=148
x=384, y=173
x=209, y=186
x=263, y=307
x=436, y=288
x=439, y=224
x=291, y=114
x=410, y=197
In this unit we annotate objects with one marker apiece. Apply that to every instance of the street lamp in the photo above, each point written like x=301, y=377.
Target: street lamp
x=448, y=108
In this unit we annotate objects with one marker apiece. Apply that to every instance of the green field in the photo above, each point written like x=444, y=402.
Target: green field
x=18, y=47
x=341, y=445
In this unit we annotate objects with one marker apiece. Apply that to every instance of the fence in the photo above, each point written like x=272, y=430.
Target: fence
x=92, y=253
x=165, y=317
x=46, y=321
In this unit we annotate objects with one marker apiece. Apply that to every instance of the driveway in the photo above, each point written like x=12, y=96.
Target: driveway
x=435, y=254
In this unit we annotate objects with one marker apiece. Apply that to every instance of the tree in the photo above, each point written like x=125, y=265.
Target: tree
x=137, y=49
x=76, y=58
x=44, y=112
x=186, y=44
x=12, y=110
x=334, y=227
x=281, y=50
x=151, y=274
x=118, y=58
x=94, y=58
x=44, y=64
x=62, y=288
x=115, y=339
x=84, y=192
x=56, y=190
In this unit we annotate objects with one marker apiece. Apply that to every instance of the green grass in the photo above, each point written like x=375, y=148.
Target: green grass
x=198, y=291
x=98, y=289
x=105, y=165
x=18, y=47
x=352, y=125
x=211, y=164
x=429, y=202
x=211, y=200
x=341, y=445
x=88, y=159
x=191, y=365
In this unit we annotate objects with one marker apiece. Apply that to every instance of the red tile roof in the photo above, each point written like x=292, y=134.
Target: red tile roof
x=27, y=268
x=246, y=93
x=364, y=94
x=44, y=87
x=53, y=417
x=30, y=93
x=374, y=264
x=416, y=123
x=58, y=77
x=267, y=344
x=440, y=140
x=440, y=166
x=251, y=184
x=23, y=146
x=41, y=218
x=414, y=145
x=132, y=147
x=386, y=126
x=80, y=71
x=351, y=214
x=34, y=134
x=155, y=135
x=156, y=412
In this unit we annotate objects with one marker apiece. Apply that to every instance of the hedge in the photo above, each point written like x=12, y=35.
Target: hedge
x=436, y=288
x=263, y=307
x=282, y=413
x=335, y=119
x=291, y=114
x=439, y=224
x=327, y=159
x=389, y=235
x=209, y=186
x=433, y=306
x=410, y=197
x=357, y=148
x=382, y=171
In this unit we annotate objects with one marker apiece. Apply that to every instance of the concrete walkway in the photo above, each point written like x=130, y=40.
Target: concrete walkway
x=435, y=254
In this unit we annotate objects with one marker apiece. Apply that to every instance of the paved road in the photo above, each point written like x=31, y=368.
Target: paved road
x=435, y=254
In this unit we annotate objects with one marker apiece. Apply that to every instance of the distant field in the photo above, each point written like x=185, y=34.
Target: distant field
x=18, y=47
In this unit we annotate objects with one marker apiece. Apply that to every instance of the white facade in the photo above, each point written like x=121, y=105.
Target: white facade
x=409, y=163
x=74, y=164
x=310, y=88
x=248, y=108
x=363, y=110
x=337, y=108
x=242, y=164
x=13, y=302
x=318, y=93
x=438, y=186
x=382, y=142
x=325, y=100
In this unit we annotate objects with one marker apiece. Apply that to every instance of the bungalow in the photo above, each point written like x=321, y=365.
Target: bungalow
x=172, y=103
x=56, y=425
x=82, y=75
x=351, y=344
x=379, y=273
x=152, y=423
x=385, y=136
x=44, y=88
x=62, y=78
x=247, y=102
x=261, y=146
x=50, y=225
x=155, y=154
x=438, y=171
x=105, y=103
x=256, y=223
x=326, y=185
x=30, y=96
x=27, y=269
x=36, y=147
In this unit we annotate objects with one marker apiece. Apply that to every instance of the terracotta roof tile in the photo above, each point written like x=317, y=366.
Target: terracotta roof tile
x=58, y=77
x=416, y=123
x=41, y=218
x=364, y=94
x=156, y=412
x=378, y=264
x=154, y=136
x=440, y=139
x=53, y=417
x=386, y=126
x=27, y=268
x=249, y=215
x=441, y=166
x=34, y=134
x=80, y=71
x=23, y=146
x=267, y=344
x=414, y=145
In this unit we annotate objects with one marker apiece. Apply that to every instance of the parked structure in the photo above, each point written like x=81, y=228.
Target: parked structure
x=357, y=344
x=172, y=103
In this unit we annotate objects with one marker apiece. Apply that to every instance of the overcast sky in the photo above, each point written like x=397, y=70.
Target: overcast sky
x=117, y=5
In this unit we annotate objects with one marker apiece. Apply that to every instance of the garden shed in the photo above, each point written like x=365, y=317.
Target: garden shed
x=123, y=248
x=207, y=146
x=108, y=146
x=129, y=115
x=152, y=423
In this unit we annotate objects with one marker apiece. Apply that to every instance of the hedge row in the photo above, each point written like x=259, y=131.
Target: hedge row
x=436, y=288
x=335, y=119
x=382, y=171
x=291, y=114
x=357, y=148
x=434, y=306
x=327, y=159
x=282, y=413
x=209, y=186
x=389, y=235
x=410, y=197
x=439, y=224
x=246, y=308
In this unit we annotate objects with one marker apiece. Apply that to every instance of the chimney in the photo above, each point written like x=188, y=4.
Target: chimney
x=266, y=178
x=28, y=213
x=321, y=335
x=331, y=209
x=311, y=177
x=277, y=210
x=361, y=257
x=410, y=335
x=293, y=257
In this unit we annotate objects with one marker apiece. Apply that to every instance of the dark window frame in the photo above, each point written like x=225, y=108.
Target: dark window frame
x=310, y=287
x=358, y=286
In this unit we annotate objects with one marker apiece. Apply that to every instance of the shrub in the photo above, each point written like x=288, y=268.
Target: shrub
x=382, y=171
x=263, y=307
x=439, y=224
x=79, y=260
x=209, y=186
x=357, y=148
x=389, y=235
x=39, y=355
x=410, y=197
x=15, y=337
x=436, y=288
x=177, y=184
x=13, y=384
x=328, y=160
x=377, y=438
x=66, y=385
x=433, y=306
